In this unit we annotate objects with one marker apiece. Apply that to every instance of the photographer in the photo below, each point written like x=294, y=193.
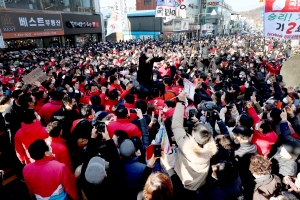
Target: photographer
x=100, y=175
x=195, y=151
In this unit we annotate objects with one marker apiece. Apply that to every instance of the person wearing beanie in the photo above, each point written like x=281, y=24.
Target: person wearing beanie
x=100, y=177
x=136, y=173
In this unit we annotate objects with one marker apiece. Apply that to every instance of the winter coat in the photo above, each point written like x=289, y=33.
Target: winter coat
x=60, y=150
x=229, y=190
x=50, y=179
x=66, y=118
x=26, y=135
x=111, y=186
x=136, y=174
x=192, y=161
x=12, y=116
x=264, y=142
x=47, y=110
x=267, y=187
x=124, y=125
x=144, y=73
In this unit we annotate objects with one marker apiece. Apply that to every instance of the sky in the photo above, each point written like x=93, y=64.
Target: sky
x=237, y=5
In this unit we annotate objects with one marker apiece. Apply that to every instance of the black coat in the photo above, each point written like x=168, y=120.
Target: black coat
x=66, y=118
x=144, y=73
x=12, y=116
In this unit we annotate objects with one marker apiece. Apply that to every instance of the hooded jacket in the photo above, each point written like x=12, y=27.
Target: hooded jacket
x=26, y=135
x=192, y=161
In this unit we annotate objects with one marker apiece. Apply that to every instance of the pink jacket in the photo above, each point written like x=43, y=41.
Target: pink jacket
x=47, y=178
x=26, y=135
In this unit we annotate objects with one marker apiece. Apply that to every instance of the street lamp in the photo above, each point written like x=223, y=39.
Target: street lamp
x=212, y=13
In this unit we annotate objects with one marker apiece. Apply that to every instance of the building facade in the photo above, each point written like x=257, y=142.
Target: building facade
x=42, y=24
x=144, y=25
x=145, y=4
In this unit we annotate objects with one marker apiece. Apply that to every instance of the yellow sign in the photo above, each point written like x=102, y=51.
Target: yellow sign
x=261, y=1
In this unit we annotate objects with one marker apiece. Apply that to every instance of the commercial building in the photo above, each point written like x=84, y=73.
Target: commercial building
x=41, y=24
x=217, y=13
x=144, y=25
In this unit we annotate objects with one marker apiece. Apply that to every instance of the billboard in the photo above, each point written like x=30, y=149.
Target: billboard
x=21, y=25
x=281, y=19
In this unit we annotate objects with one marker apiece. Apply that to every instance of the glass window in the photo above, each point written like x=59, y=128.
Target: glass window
x=147, y=2
x=55, y=5
x=24, y=44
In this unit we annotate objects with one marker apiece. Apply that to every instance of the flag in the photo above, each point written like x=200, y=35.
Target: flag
x=162, y=138
x=118, y=18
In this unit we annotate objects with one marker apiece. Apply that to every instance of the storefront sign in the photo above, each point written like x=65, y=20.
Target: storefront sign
x=18, y=25
x=213, y=3
x=80, y=24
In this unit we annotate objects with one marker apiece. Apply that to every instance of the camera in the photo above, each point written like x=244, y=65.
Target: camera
x=192, y=113
x=209, y=107
x=100, y=126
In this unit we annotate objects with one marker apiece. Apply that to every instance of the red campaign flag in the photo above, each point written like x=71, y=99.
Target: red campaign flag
x=282, y=6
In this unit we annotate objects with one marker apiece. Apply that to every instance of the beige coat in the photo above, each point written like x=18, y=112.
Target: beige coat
x=192, y=161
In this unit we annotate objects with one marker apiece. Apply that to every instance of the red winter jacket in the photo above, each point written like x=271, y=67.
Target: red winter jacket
x=60, y=150
x=159, y=104
x=49, y=109
x=38, y=105
x=124, y=125
x=48, y=178
x=263, y=142
x=26, y=135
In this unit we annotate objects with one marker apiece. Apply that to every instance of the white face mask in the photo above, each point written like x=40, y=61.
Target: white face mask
x=262, y=70
x=284, y=100
x=27, y=68
x=165, y=109
x=118, y=82
x=149, y=55
x=41, y=63
x=134, y=73
x=52, y=60
x=13, y=69
x=154, y=79
x=268, y=82
x=241, y=76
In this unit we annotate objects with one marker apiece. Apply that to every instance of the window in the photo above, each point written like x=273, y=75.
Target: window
x=147, y=2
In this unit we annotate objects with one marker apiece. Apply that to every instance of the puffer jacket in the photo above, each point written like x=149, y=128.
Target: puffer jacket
x=26, y=135
x=47, y=110
x=192, y=161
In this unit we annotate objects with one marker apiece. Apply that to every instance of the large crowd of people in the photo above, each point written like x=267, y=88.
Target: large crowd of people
x=115, y=121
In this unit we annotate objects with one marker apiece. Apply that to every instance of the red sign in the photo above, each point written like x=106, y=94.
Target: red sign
x=282, y=6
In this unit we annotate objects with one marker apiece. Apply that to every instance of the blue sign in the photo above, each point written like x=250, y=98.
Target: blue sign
x=262, y=14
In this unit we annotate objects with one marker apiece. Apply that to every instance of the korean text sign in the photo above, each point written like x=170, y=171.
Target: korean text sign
x=165, y=8
x=282, y=19
x=118, y=18
x=18, y=24
x=35, y=75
